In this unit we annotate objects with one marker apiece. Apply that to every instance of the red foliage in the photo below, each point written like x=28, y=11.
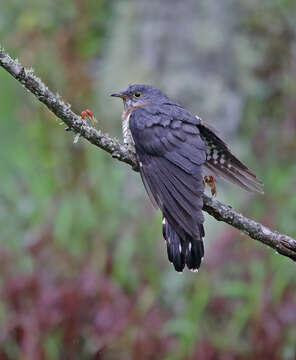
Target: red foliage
x=88, y=311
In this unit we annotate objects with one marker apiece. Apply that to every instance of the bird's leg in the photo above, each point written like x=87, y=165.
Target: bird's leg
x=210, y=181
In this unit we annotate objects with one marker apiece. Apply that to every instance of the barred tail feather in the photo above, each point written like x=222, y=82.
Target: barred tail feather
x=180, y=251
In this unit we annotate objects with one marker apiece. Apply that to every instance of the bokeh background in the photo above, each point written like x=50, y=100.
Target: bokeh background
x=83, y=267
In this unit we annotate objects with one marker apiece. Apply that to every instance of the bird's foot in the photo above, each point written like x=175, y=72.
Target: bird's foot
x=211, y=182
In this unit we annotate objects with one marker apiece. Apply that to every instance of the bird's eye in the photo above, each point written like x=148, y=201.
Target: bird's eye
x=137, y=94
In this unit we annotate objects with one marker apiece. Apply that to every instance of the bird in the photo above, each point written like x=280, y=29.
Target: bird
x=178, y=154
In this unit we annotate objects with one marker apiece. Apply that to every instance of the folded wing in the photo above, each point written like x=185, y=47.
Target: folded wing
x=222, y=163
x=171, y=153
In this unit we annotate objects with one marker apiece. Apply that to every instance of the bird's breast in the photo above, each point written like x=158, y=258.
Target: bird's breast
x=126, y=132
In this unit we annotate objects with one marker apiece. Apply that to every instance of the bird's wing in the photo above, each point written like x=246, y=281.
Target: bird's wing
x=170, y=153
x=221, y=162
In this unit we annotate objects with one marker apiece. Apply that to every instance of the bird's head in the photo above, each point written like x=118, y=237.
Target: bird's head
x=135, y=95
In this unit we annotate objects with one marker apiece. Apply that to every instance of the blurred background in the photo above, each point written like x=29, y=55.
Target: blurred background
x=84, y=270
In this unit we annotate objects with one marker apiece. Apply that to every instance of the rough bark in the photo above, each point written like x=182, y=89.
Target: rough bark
x=283, y=244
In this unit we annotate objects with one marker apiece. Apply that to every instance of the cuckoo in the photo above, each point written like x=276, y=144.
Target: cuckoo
x=178, y=154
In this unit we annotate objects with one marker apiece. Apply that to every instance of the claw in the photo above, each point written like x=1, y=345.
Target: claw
x=210, y=181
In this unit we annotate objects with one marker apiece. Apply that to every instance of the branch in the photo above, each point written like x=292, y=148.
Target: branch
x=283, y=244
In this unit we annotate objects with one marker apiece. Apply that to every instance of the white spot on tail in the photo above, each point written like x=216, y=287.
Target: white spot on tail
x=194, y=270
x=189, y=246
x=180, y=248
x=163, y=221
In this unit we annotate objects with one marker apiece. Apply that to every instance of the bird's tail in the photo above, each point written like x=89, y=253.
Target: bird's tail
x=181, y=251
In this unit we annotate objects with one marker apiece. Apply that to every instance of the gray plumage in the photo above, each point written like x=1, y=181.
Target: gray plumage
x=172, y=147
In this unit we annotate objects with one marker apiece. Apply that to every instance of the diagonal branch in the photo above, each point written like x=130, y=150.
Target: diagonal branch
x=283, y=244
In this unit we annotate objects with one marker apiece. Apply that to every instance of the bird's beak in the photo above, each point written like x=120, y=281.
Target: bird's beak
x=120, y=94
